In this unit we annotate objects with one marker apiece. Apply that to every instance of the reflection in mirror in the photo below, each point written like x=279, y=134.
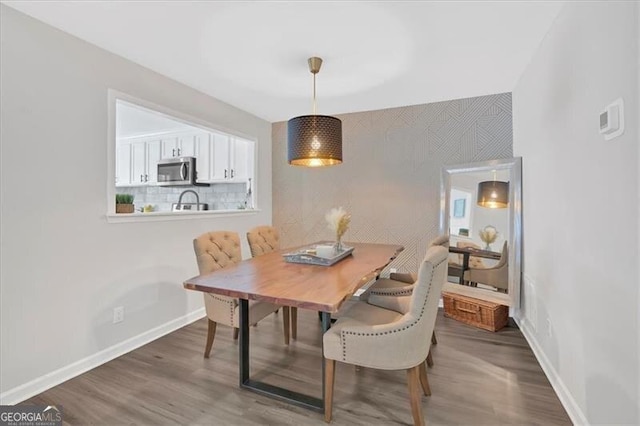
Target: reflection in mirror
x=484, y=226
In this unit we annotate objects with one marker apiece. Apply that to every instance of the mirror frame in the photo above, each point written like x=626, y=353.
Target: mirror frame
x=514, y=166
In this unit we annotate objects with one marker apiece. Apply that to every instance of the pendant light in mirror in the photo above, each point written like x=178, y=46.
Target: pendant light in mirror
x=314, y=140
x=493, y=194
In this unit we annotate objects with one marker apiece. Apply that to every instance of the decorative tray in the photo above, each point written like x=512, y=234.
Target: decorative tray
x=309, y=255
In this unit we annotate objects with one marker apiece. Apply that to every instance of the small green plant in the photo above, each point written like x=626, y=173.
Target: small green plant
x=124, y=199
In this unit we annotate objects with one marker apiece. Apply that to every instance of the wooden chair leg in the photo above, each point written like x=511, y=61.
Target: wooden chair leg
x=285, y=321
x=235, y=333
x=329, y=378
x=429, y=359
x=413, y=377
x=424, y=382
x=294, y=323
x=434, y=341
x=211, y=333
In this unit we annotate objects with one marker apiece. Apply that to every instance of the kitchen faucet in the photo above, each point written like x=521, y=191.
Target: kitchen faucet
x=194, y=193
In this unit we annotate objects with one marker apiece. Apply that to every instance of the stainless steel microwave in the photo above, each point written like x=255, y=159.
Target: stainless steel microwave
x=180, y=171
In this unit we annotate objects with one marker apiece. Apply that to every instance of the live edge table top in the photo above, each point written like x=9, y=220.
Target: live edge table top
x=322, y=288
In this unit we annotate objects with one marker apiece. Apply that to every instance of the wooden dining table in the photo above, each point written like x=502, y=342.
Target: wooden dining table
x=271, y=279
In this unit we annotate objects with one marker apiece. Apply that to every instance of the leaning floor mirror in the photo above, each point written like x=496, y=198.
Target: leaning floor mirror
x=481, y=210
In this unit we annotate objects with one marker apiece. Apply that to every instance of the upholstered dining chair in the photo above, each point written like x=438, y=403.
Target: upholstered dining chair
x=455, y=266
x=474, y=261
x=401, y=284
x=496, y=276
x=265, y=239
x=390, y=337
x=214, y=251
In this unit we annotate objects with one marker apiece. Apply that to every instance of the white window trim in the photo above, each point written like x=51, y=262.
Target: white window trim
x=113, y=96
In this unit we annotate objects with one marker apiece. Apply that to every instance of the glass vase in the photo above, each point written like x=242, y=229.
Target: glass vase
x=338, y=244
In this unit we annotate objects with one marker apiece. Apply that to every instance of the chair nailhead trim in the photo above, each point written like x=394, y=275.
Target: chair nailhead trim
x=228, y=302
x=343, y=333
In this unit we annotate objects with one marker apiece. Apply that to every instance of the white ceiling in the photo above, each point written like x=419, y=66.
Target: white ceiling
x=377, y=55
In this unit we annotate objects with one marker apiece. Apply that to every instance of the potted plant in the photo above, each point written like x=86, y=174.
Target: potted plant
x=124, y=203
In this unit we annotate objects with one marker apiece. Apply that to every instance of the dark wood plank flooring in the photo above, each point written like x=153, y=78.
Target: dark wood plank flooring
x=479, y=377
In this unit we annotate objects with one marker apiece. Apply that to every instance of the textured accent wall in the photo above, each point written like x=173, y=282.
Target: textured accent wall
x=390, y=178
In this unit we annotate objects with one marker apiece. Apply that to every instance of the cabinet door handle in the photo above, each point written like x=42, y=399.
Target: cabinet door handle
x=231, y=173
x=146, y=178
x=225, y=173
x=141, y=178
x=173, y=153
x=179, y=151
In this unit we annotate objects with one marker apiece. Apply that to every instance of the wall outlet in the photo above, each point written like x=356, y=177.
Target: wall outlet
x=118, y=314
x=393, y=270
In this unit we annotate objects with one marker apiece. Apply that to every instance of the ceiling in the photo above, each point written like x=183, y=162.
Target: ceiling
x=253, y=55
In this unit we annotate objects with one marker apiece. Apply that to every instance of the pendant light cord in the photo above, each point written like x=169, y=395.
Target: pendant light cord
x=314, y=93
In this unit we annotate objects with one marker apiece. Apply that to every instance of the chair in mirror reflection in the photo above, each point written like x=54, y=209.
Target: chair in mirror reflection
x=496, y=276
x=456, y=261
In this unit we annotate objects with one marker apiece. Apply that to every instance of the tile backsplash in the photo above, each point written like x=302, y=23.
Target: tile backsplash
x=219, y=196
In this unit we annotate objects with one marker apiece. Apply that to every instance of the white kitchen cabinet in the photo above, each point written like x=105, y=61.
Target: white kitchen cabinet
x=123, y=163
x=171, y=147
x=143, y=162
x=219, y=157
x=192, y=144
x=199, y=146
x=153, y=154
x=183, y=145
x=232, y=159
x=219, y=171
x=240, y=161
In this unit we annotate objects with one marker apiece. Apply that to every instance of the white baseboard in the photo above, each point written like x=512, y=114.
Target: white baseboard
x=566, y=399
x=49, y=380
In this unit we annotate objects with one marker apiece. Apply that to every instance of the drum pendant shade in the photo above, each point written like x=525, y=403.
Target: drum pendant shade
x=493, y=194
x=314, y=141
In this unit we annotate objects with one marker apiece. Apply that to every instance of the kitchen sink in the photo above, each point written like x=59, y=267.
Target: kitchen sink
x=187, y=207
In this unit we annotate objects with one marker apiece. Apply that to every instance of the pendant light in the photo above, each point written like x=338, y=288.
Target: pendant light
x=493, y=194
x=314, y=140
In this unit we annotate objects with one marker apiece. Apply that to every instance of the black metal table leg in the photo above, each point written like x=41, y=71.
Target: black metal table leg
x=275, y=392
x=244, y=341
x=326, y=325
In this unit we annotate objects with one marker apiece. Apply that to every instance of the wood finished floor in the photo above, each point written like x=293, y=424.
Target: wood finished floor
x=479, y=377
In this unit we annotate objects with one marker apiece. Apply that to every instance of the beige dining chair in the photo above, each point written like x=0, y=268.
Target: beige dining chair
x=401, y=284
x=390, y=337
x=474, y=261
x=214, y=251
x=496, y=276
x=265, y=239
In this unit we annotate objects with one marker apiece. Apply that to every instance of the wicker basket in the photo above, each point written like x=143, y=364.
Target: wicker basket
x=476, y=312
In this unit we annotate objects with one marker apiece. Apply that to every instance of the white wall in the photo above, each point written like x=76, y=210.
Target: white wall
x=581, y=226
x=64, y=268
